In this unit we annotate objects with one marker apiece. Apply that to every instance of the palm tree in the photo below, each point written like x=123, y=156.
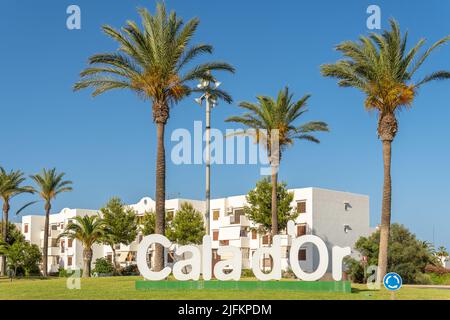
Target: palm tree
x=88, y=230
x=442, y=252
x=50, y=184
x=10, y=186
x=380, y=66
x=150, y=62
x=273, y=126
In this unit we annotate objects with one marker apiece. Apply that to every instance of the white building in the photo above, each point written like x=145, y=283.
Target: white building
x=65, y=253
x=339, y=218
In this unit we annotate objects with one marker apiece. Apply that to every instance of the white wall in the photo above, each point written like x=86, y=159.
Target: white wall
x=330, y=215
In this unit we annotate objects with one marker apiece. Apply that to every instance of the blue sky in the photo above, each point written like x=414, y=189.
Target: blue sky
x=107, y=146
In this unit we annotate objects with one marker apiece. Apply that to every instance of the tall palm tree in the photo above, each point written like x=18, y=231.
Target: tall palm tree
x=273, y=124
x=150, y=62
x=10, y=186
x=88, y=230
x=382, y=68
x=50, y=184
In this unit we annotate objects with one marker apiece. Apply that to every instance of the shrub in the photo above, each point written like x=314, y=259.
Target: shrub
x=63, y=273
x=103, y=266
x=407, y=255
x=247, y=273
x=423, y=278
x=436, y=269
x=130, y=270
x=354, y=269
x=288, y=274
x=440, y=279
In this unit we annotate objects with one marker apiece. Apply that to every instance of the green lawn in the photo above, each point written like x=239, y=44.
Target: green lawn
x=123, y=288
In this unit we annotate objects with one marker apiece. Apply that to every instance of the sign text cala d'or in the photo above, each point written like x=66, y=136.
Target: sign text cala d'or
x=201, y=260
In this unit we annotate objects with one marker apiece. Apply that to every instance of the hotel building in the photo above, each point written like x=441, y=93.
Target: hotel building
x=338, y=218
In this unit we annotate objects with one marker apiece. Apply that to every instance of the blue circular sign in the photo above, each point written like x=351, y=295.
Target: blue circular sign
x=392, y=281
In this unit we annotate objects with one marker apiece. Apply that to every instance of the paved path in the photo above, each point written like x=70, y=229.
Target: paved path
x=427, y=286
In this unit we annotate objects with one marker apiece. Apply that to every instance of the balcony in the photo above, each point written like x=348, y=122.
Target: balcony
x=242, y=242
x=53, y=251
x=53, y=234
x=241, y=220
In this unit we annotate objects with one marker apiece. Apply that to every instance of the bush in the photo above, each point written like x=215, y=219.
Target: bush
x=103, y=266
x=437, y=270
x=288, y=274
x=130, y=270
x=354, y=269
x=423, y=278
x=440, y=279
x=63, y=273
x=407, y=255
x=247, y=273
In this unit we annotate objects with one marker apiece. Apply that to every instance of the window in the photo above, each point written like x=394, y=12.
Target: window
x=69, y=261
x=302, y=255
x=254, y=235
x=215, y=235
x=69, y=243
x=62, y=246
x=301, y=229
x=237, y=216
x=265, y=239
x=25, y=228
x=267, y=262
x=224, y=242
x=244, y=233
x=301, y=206
x=54, y=227
x=117, y=246
x=216, y=215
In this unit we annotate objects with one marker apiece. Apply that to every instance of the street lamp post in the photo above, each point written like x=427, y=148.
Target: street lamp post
x=210, y=101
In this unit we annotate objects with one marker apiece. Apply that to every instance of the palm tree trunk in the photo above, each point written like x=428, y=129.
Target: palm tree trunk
x=274, y=200
x=385, y=212
x=160, y=212
x=5, y=223
x=87, y=258
x=46, y=231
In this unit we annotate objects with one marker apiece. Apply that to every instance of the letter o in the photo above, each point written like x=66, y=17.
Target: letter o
x=323, y=256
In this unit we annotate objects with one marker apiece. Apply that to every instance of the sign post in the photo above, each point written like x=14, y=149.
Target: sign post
x=393, y=282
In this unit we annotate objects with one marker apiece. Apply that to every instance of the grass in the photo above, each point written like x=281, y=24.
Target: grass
x=119, y=288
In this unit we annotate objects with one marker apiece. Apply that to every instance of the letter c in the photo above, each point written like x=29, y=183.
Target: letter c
x=142, y=257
